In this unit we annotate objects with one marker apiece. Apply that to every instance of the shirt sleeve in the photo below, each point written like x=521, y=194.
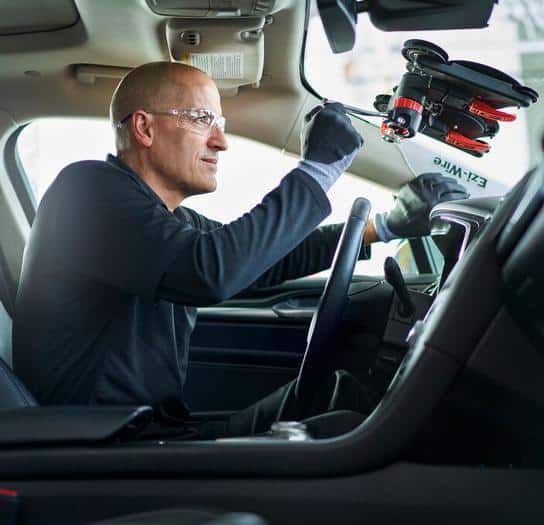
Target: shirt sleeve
x=314, y=254
x=219, y=263
x=108, y=229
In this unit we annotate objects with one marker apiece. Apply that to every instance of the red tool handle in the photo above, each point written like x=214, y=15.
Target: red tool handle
x=480, y=108
x=457, y=139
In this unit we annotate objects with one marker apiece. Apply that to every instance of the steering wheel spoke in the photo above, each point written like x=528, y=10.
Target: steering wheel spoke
x=326, y=319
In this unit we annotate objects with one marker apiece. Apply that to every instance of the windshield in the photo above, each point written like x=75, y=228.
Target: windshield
x=513, y=43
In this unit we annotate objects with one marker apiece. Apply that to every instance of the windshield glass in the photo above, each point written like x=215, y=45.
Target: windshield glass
x=513, y=43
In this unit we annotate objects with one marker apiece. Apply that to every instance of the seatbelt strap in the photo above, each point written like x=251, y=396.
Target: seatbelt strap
x=9, y=502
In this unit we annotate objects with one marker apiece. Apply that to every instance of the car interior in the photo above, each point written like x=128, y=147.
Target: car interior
x=445, y=340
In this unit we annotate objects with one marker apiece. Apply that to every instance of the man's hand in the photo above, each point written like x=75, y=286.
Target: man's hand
x=410, y=216
x=329, y=143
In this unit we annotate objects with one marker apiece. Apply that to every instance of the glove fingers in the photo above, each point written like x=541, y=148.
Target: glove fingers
x=336, y=109
x=339, y=108
x=336, y=106
x=312, y=113
x=430, y=178
x=435, y=182
x=452, y=196
x=450, y=191
x=410, y=216
x=430, y=175
x=453, y=184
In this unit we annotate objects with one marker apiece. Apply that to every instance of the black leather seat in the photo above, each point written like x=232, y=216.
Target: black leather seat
x=13, y=394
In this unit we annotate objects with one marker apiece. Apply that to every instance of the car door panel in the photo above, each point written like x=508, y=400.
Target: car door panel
x=245, y=348
x=233, y=363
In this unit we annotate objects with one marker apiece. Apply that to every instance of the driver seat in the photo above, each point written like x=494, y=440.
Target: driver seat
x=13, y=394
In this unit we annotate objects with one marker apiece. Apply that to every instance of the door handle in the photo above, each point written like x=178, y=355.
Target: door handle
x=294, y=312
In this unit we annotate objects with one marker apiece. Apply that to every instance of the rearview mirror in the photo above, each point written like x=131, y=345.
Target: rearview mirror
x=339, y=17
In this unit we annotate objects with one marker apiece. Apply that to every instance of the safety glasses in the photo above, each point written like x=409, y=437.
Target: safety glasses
x=200, y=120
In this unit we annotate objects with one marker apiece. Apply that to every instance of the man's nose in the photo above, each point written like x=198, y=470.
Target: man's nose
x=217, y=139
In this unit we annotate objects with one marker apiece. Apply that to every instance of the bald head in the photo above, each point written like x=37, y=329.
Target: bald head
x=152, y=86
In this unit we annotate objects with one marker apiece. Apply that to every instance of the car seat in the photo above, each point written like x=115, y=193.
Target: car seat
x=13, y=394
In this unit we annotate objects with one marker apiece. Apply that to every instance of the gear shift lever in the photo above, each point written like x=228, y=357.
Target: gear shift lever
x=394, y=277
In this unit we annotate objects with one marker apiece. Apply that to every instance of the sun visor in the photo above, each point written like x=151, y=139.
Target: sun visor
x=230, y=51
x=31, y=16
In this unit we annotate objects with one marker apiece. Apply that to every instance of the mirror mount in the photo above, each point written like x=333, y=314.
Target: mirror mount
x=339, y=17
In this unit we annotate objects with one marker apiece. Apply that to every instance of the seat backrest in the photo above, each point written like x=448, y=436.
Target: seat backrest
x=7, y=301
x=13, y=394
x=5, y=336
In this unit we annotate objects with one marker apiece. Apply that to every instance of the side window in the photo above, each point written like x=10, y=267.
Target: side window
x=433, y=259
x=45, y=146
x=405, y=258
x=247, y=171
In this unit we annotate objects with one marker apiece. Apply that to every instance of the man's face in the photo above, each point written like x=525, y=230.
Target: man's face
x=185, y=158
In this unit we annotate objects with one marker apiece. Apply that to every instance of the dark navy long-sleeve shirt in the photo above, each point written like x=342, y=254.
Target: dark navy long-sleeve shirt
x=111, y=280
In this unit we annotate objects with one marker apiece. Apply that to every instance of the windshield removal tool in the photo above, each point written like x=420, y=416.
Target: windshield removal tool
x=456, y=102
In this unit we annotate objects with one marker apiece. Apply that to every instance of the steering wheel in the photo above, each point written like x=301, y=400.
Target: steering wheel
x=328, y=314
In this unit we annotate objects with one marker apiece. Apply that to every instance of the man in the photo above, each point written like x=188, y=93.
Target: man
x=114, y=268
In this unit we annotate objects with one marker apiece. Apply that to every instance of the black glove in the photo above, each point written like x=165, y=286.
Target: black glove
x=410, y=216
x=329, y=142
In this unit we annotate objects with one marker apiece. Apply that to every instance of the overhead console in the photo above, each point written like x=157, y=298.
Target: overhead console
x=215, y=8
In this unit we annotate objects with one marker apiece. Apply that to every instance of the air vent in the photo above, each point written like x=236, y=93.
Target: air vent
x=191, y=38
x=263, y=6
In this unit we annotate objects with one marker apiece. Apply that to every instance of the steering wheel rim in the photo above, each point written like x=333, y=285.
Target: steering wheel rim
x=330, y=307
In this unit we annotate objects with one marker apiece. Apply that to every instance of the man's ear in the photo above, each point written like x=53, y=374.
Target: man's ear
x=142, y=129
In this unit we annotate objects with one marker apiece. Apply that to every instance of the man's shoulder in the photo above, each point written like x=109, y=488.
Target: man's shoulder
x=88, y=178
x=88, y=170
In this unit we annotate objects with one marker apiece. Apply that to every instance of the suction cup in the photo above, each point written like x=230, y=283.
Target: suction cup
x=414, y=48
